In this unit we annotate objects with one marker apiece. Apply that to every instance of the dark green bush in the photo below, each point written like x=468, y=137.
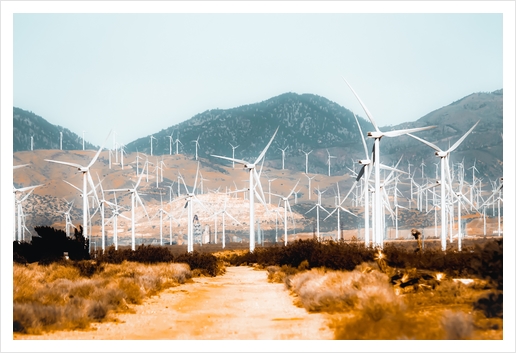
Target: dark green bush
x=207, y=263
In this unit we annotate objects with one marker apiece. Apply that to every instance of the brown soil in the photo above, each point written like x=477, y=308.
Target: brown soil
x=240, y=305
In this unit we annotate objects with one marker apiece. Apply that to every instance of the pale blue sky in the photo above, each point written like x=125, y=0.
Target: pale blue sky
x=140, y=73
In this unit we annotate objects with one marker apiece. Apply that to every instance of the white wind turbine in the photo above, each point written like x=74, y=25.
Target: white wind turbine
x=61, y=140
x=170, y=138
x=252, y=173
x=234, y=148
x=329, y=162
x=86, y=178
x=224, y=212
x=196, y=146
x=318, y=206
x=116, y=213
x=377, y=135
x=32, y=143
x=19, y=209
x=283, y=157
x=286, y=205
x=177, y=142
x=152, y=138
x=444, y=166
x=190, y=198
x=309, y=185
x=83, y=139
x=270, y=181
x=160, y=212
x=338, y=208
x=135, y=198
x=306, y=160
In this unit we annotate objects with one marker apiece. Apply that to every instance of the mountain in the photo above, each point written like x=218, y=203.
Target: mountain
x=306, y=122
x=45, y=135
x=309, y=122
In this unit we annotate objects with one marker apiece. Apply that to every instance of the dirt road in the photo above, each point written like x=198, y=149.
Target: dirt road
x=240, y=305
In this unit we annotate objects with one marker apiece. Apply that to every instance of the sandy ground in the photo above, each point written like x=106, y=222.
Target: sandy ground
x=240, y=305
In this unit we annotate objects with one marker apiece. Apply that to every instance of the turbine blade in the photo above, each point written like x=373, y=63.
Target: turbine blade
x=369, y=115
x=100, y=150
x=426, y=143
x=406, y=131
x=65, y=163
x=456, y=144
x=266, y=147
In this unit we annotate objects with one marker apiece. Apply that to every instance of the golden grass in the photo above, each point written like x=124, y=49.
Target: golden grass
x=56, y=297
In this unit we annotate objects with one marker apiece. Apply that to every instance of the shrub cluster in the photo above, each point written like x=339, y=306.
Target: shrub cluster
x=483, y=262
x=50, y=245
x=59, y=297
x=207, y=264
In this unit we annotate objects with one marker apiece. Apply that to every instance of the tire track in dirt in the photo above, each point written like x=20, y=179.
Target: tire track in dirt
x=240, y=305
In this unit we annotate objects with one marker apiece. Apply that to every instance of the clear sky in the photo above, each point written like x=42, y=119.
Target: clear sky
x=142, y=72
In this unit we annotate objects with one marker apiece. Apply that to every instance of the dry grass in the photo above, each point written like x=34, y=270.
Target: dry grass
x=366, y=306
x=56, y=297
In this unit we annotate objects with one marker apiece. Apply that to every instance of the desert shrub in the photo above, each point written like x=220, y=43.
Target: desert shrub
x=151, y=254
x=112, y=256
x=88, y=268
x=457, y=325
x=133, y=292
x=491, y=304
x=333, y=291
x=207, y=264
x=97, y=310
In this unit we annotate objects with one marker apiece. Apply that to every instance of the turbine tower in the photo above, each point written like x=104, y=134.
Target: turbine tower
x=86, y=178
x=234, y=148
x=329, y=162
x=306, y=164
x=444, y=166
x=251, y=167
x=283, y=157
x=377, y=135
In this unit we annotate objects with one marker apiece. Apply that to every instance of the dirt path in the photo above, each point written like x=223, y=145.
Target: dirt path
x=240, y=305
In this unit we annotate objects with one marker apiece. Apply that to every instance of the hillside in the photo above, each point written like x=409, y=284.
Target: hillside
x=44, y=134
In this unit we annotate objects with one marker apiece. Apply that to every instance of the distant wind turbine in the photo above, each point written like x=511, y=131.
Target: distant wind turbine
x=251, y=167
x=86, y=178
x=444, y=165
x=377, y=135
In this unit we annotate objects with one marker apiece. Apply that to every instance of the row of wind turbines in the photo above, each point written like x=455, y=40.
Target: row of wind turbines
x=376, y=192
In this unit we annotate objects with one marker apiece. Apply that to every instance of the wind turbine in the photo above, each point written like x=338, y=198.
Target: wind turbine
x=86, y=178
x=270, y=181
x=309, y=186
x=135, y=198
x=251, y=167
x=318, y=206
x=152, y=138
x=190, y=197
x=234, y=148
x=444, y=165
x=114, y=218
x=338, y=207
x=283, y=157
x=61, y=140
x=196, y=145
x=170, y=138
x=32, y=143
x=19, y=209
x=286, y=205
x=306, y=163
x=377, y=135
x=329, y=162
x=177, y=142
x=83, y=139
x=224, y=212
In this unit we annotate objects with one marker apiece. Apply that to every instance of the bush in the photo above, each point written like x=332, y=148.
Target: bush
x=207, y=264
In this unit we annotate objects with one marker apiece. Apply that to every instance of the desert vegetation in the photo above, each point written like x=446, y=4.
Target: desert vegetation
x=69, y=295
x=391, y=299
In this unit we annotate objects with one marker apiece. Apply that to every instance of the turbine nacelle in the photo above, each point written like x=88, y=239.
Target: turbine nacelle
x=364, y=161
x=375, y=134
x=441, y=154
